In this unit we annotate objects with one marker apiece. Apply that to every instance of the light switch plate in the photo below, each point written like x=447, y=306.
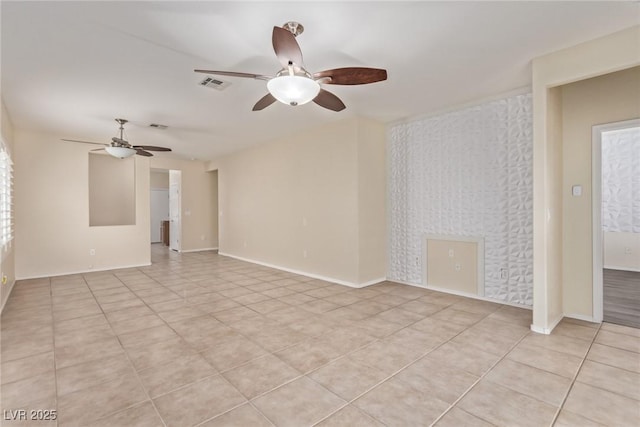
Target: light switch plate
x=576, y=190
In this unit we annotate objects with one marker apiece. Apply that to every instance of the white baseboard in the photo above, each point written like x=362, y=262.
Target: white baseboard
x=8, y=295
x=462, y=294
x=304, y=273
x=547, y=330
x=615, y=267
x=187, y=251
x=369, y=283
x=581, y=317
x=93, y=270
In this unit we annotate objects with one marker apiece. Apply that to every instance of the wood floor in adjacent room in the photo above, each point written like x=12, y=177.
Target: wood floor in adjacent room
x=622, y=297
x=201, y=339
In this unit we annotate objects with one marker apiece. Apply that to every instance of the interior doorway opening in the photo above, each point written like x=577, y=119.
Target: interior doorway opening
x=616, y=223
x=165, y=220
x=215, y=210
x=175, y=219
x=159, y=212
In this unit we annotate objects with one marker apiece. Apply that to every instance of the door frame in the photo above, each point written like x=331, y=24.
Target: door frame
x=596, y=200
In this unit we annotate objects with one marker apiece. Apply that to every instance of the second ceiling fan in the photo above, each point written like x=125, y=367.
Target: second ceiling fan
x=120, y=148
x=293, y=84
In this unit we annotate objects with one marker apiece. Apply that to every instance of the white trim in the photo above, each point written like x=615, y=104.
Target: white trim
x=581, y=317
x=547, y=331
x=523, y=90
x=462, y=294
x=370, y=282
x=93, y=270
x=596, y=208
x=4, y=303
x=186, y=251
x=304, y=273
x=615, y=267
x=457, y=238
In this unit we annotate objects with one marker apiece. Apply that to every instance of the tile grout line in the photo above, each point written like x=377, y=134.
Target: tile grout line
x=478, y=381
x=53, y=342
x=218, y=373
x=196, y=283
x=305, y=374
x=575, y=377
x=349, y=402
x=129, y=359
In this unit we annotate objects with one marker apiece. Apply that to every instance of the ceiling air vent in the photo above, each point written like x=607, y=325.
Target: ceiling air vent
x=215, y=83
x=158, y=126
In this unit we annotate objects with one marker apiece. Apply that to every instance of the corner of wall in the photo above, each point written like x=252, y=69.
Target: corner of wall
x=372, y=193
x=604, y=55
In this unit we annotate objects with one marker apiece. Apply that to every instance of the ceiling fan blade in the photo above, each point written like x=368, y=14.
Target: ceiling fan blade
x=328, y=100
x=150, y=148
x=352, y=75
x=234, y=74
x=84, y=142
x=264, y=102
x=286, y=47
x=141, y=152
x=98, y=149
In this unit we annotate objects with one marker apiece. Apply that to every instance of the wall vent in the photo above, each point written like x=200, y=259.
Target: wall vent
x=215, y=83
x=158, y=126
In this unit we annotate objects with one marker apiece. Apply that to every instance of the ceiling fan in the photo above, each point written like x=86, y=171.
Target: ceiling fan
x=121, y=148
x=293, y=84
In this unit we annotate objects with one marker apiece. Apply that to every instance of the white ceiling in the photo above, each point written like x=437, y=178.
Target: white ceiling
x=70, y=68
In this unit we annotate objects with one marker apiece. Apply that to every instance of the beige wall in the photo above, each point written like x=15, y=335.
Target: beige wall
x=372, y=193
x=112, y=194
x=159, y=179
x=452, y=264
x=609, y=98
x=199, y=219
x=312, y=202
x=53, y=236
x=8, y=258
x=52, y=212
x=608, y=54
x=621, y=251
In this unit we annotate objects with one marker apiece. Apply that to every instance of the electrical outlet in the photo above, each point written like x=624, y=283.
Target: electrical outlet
x=304, y=253
x=451, y=253
x=202, y=237
x=304, y=222
x=504, y=274
x=627, y=250
x=417, y=261
x=244, y=243
x=458, y=267
x=92, y=252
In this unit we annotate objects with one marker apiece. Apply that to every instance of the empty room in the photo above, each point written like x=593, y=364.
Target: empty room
x=353, y=213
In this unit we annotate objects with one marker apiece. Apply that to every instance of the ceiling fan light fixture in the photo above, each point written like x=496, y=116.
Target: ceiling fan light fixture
x=120, y=152
x=293, y=90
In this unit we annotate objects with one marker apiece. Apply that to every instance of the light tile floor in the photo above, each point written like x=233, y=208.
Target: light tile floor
x=201, y=339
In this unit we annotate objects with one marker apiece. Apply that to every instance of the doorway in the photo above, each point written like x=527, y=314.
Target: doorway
x=159, y=212
x=616, y=222
x=159, y=197
x=175, y=228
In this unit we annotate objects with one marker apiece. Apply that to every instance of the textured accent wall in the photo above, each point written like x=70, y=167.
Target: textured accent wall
x=466, y=173
x=621, y=180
